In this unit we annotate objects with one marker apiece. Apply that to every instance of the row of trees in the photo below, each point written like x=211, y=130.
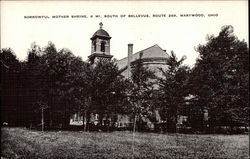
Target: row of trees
x=55, y=84
x=59, y=84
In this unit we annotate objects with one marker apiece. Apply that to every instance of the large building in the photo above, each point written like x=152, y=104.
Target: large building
x=153, y=58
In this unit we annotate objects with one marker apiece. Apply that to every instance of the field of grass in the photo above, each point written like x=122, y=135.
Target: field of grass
x=30, y=144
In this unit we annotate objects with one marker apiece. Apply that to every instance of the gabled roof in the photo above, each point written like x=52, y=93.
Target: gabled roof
x=153, y=52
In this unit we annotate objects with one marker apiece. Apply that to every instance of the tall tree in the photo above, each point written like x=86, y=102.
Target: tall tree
x=173, y=88
x=64, y=74
x=141, y=91
x=220, y=79
x=53, y=78
x=32, y=89
x=10, y=87
x=106, y=88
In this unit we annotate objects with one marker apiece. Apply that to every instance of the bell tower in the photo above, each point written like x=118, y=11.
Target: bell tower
x=100, y=45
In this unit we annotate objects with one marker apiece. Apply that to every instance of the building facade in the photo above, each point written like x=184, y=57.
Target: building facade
x=153, y=58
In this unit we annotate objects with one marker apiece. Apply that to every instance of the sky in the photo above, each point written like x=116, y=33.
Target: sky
x=180, y=34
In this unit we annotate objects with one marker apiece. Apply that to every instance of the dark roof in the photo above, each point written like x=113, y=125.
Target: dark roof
x=154, y=55
x=101, y=32
x=154, y=52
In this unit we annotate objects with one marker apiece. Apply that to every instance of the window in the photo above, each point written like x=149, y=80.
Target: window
x=94, y=43
x=103, y=46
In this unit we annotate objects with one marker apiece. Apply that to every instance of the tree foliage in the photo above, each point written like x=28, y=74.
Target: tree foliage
x=106, y=88
x=63, y=83
x=51, y=77
x=220, y=78
x=173, y=88
x=10, y=88
x=141, y=91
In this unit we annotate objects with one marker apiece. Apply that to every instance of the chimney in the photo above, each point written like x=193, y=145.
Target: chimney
x=130, y=56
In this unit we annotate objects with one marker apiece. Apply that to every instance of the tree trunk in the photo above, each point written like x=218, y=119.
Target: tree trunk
x=85, y=121
x=42, y=120
x=176, y=130
x=107, y=123
x=50, y=120
x=99, y=126
x=134, y=126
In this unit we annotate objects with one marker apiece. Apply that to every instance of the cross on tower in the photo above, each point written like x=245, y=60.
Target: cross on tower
x=100, y=25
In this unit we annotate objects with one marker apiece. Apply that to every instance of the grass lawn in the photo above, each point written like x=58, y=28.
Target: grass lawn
x=24, y=143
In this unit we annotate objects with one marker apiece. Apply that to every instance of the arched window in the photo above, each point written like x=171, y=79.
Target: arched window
x=94, y=43
x=103, y=46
